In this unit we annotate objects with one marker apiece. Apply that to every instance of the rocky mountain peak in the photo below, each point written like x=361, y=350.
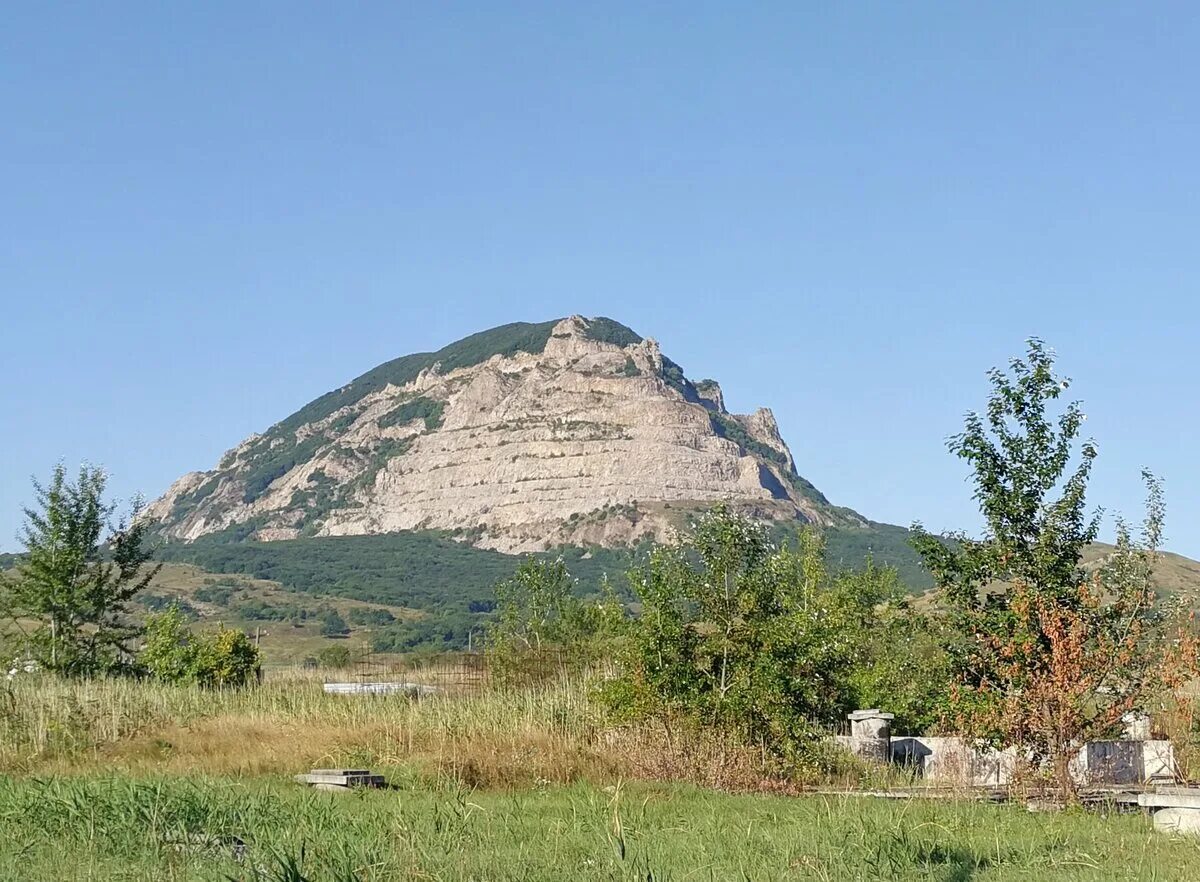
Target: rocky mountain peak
x=519, y=438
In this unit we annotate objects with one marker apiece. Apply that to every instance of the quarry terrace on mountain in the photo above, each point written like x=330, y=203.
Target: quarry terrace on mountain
x=521, y=438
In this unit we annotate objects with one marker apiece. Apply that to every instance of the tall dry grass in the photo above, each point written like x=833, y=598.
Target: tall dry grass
x=494, y=736
x=497, y=736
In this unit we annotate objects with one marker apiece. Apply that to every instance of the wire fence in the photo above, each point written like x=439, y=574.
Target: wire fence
x=453, y=671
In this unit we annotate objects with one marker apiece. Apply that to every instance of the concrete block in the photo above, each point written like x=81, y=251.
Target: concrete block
x=871, y=734
x=1176, y=798
x=340, y=778
x=1178, y=821
x=1158, y=761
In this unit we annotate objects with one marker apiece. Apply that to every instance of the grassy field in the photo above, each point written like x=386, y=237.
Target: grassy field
x=99, y=826
x=115, y=780
x=231, y=600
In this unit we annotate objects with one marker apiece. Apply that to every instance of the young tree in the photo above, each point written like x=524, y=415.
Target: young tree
x=172, y=653
x=739, y=637
x=535, y=608
x=1044, y=656
x=540, y=628
x=332, y=623
x=70, y=596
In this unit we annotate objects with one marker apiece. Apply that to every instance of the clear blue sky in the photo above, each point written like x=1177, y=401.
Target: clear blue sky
x=212, y=213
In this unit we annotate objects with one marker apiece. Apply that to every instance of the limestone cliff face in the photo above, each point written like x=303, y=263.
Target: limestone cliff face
x=573, y=432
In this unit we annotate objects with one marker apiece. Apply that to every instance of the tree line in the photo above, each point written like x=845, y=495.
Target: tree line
x=729, y=633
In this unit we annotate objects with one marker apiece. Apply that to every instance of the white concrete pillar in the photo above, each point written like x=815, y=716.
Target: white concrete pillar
x=871, y=734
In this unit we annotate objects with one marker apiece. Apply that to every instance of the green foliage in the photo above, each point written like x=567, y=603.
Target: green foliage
x=903, y=666
x=385, y=451
x=257, y=610
x=226, y=658
x=630, y=368
x=332, y=623
x=418, y=570
x=1041, y=655
x=77, y=578
x=422, y=408
x=534, y=608
x=848, y=548
x=167, y=653
x=537, y=612
x=673, y=374
x=274, y=457
x=606, y=330
x=219, y=595
x=173, y=654
x=453, y=582
x=1034, y=507
x=200, y=493
x=743, y=638
x=374, y=617
x=451, y=629
x=727, y=427
x=335, y=657
x=1031, y=497
x=503, y=340
x=160, y=602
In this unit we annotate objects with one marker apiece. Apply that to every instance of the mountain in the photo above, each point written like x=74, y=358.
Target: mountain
x=521, y=438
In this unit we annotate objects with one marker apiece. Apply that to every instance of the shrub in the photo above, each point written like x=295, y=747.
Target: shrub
x=219, y=658
x=332, y=624
x=371, y=616
x=751, y=642
x=215, y=593
x=334, y=657
x=427, y=409
x=540, y=628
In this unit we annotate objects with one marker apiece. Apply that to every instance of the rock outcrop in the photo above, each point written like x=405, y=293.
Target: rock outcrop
x=571, y=432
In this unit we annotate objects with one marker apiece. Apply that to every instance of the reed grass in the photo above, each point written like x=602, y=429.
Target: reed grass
x=289, y=724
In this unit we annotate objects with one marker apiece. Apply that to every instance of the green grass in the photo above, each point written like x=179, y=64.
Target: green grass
x=118, y=827
x=120, y=780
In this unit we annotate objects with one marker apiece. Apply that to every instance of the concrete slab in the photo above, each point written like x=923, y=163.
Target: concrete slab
x=1175, y=798
x=1179, y=821
x=413, y=690
x=331, y=778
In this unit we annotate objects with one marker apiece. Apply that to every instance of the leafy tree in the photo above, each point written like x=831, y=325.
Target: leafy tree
x=1032, y=497
x=535, y=608
x=540, y=628
x=78, y=576
x=370, y=616
x=174, y=654
x=167, y=652
x=901, y=664
x=1042, y=655
x=337, y=657
x=226, y=657
x=332, y=624
x=743, y=638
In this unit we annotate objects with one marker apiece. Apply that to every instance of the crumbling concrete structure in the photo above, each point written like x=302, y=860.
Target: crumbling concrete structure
x=1134, y=760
